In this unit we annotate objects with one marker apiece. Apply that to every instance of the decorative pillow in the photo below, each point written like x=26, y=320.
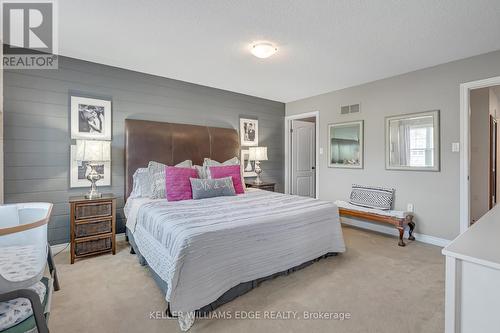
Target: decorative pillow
x=178, y=186
x=209, y=188
x=141, y=185
x=233, y=171
x=202, y=171
x=209, y=162
x=156, y=173
x=372, y=197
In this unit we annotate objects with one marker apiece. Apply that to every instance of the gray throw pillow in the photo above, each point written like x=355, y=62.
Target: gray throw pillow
x=209, y=188
x=157, y=178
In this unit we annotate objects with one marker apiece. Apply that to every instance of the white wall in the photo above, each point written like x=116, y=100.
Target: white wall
x=434, y=194
x=479, y=152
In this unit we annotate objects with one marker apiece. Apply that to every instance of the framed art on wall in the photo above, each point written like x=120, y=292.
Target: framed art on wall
x=90, y=118
x=249, y=132
x=246, y=164
x=345, y=145
x=80, y=169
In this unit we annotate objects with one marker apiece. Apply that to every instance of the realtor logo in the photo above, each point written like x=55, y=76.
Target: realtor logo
x=29, y=34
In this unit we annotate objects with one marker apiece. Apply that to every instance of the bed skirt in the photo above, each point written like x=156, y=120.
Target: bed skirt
x=229, y=295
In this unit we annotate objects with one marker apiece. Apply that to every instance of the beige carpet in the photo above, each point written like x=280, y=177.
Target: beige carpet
x=385, y=288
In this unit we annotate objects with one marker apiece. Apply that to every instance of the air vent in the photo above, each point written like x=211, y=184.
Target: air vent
x=345, y=109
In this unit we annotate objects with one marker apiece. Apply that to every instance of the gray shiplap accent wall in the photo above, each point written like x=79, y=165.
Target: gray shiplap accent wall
x=37, y=138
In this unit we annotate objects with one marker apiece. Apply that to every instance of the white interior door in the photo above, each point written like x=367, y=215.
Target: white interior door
x=303, y=158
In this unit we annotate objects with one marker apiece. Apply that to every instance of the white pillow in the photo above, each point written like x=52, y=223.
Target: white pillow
x=157, y=176
x=141, y=185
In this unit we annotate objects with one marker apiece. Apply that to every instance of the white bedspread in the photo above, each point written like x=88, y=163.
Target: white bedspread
x=202, y=248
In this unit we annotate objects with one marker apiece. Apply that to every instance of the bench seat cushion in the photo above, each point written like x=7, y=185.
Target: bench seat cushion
x=391, y=213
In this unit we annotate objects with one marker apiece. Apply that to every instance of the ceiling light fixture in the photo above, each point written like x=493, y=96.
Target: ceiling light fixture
x=263, y=49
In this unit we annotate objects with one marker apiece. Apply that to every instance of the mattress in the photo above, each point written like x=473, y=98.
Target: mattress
x=202, y=248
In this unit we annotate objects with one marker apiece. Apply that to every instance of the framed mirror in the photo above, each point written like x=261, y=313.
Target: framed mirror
x=412, y=142
x=345, y=142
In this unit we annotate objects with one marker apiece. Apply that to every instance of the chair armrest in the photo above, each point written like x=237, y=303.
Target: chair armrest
x=36, y=306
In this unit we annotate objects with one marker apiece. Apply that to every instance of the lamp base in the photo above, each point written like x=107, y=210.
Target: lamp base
x=91, y=195
x=258, y=171
x=93, y=177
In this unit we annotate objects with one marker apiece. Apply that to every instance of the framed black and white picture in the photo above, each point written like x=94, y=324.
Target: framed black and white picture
x=90, y=118
x=246, y=165
x=80, y=169
x=249, y=132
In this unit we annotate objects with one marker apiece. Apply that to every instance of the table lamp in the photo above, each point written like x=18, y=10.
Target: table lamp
x=258, y=154
x=95, y=153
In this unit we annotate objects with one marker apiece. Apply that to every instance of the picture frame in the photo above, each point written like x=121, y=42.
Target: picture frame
x=79, y=171
x=249, y=132
x=346, y=145
x=412, y=141
x=246, y=165
x=91, y=118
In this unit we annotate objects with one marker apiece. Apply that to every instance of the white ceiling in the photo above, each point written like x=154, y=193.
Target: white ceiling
x=324, y=45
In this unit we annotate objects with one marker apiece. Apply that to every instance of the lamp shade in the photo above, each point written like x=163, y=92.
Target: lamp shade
x=257, y=154
x=93, y=151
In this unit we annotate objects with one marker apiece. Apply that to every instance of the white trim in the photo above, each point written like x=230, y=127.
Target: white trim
x=287, y=148
x=465, y=145
x=393, y=231
x=452, y=295
x=65, y=246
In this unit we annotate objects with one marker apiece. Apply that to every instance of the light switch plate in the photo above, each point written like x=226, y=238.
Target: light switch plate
x=409, y=208
x=321, y=151
x=455, y=147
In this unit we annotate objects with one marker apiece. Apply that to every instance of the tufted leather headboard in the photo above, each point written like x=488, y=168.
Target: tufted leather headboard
x=171, y=143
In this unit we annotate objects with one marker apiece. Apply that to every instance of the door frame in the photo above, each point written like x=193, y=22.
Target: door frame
x=288, y=147
x=465, y=89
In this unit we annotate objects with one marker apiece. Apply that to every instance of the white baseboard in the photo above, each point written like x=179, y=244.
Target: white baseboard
x=393, y=231
x=65, y=246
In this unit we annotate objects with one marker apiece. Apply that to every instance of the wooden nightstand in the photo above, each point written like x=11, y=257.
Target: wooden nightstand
x=264, y=186
x=92, y=226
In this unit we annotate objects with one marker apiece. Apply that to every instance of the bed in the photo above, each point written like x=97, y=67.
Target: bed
x=203, y=253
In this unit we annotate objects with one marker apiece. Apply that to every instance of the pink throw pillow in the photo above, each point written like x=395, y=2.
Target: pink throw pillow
x=232, y=171
x=178, y=184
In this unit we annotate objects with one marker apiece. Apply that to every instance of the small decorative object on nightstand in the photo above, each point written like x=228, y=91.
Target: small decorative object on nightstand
x=92, y=225
x=258, y=154
x=262, y=186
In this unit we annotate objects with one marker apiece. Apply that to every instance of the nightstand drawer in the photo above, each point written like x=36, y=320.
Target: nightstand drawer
x=94, y=209
x=93, y=227
x=92, y=246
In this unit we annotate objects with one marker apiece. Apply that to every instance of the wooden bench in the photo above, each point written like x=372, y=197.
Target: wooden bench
x=398, y=222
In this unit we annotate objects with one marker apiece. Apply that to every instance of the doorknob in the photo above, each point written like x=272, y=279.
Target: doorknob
x=313, y=168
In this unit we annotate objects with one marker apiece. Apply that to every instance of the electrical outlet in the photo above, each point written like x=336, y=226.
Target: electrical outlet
x=409, y=208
